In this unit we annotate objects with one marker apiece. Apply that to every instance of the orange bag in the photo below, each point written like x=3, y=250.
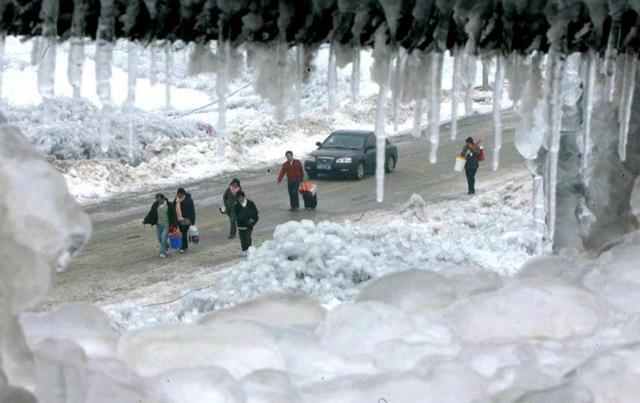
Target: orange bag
x=307, y=187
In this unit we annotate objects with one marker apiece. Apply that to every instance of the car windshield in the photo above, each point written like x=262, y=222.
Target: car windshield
x=344, y=140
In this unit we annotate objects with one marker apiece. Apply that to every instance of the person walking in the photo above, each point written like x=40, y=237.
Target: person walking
x=471, y=153
x=162, y=214
x=229, y=203
x=186, y=215
x=292, y=168
x=247, y=218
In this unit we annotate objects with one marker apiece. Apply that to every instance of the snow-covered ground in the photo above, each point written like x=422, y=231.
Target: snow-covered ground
x=167, y=145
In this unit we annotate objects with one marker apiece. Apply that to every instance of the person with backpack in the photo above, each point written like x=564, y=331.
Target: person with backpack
x=247, y=218
x=229, y=204
x=162, y=214
x=186, y=215
x=472, y=154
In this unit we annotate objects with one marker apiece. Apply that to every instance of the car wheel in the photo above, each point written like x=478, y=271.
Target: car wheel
x=390, y=165
x=360, y=171
x=312, y=175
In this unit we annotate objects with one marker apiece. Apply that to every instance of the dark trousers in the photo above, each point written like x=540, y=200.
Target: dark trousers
x=245, y=238
x=185, y=236
x=293, y=186
x=233, y=225
x=471, y=179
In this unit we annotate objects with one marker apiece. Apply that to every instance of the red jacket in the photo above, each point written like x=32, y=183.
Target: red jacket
x=294, y=171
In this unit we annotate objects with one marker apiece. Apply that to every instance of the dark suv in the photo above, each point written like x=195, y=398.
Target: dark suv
x=349, y=153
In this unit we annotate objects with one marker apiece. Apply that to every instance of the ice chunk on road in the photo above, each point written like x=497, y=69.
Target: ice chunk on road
x=239, y=347
x=279, y=310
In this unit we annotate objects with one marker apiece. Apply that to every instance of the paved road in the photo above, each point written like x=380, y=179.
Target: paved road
x=121, y=256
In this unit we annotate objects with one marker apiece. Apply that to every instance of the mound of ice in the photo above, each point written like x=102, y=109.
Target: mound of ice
x=86, y=325
x=238, y=347
x=618, y=275
x=268, y=386
x=527, y=310
x=410, y=290
x=197, y=385
x=280, y=310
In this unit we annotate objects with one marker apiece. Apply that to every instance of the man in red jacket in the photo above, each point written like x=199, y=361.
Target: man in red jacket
x=295, y=174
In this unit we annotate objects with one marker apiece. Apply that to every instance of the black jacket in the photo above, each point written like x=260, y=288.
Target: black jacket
x=187, y=208
x=152, y=216
x=230, y=202
x=471, y=154
x=247, y=216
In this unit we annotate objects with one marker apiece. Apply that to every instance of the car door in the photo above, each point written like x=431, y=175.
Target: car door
x=370, y=152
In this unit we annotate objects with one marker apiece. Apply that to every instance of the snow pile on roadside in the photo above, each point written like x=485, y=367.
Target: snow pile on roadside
x=330, y=261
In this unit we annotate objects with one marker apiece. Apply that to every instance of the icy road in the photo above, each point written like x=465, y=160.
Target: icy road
x=121, y=260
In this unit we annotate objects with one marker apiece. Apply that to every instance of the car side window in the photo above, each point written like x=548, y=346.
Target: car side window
x=371, y=141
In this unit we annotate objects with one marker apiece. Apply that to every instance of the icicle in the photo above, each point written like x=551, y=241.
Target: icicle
x=381, y=74
x=469, y=81
x=132, y=71
x=332, y=78
x=417, y=118
x=168, y=73
x=47, y=67
x=538, y=205
x=589, y=82
x=74, y=68
x=355, y=75
x=610, y=56
x=35, y=51
x=434, y=104
x=455, y=84
x=628, y=88
x=2, y=43
x=76, y=48
x=497, y=110
x=104, y=54
x=396, y=89
x=152, y=64
x=282, y=81
x=221, y=90
x=557, y=69
x=299, y=81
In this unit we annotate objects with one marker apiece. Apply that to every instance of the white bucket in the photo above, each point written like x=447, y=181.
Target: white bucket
x=460, y=161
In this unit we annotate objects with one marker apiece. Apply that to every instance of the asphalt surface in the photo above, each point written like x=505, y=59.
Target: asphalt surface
x=121, y=256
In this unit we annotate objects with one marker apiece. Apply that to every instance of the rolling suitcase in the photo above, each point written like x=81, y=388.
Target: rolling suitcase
x=310, y=200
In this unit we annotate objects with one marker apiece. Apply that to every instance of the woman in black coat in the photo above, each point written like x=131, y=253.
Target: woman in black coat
x=246, y=217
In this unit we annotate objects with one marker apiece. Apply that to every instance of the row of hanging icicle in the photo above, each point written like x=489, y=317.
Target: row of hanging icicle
x=536, y=87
